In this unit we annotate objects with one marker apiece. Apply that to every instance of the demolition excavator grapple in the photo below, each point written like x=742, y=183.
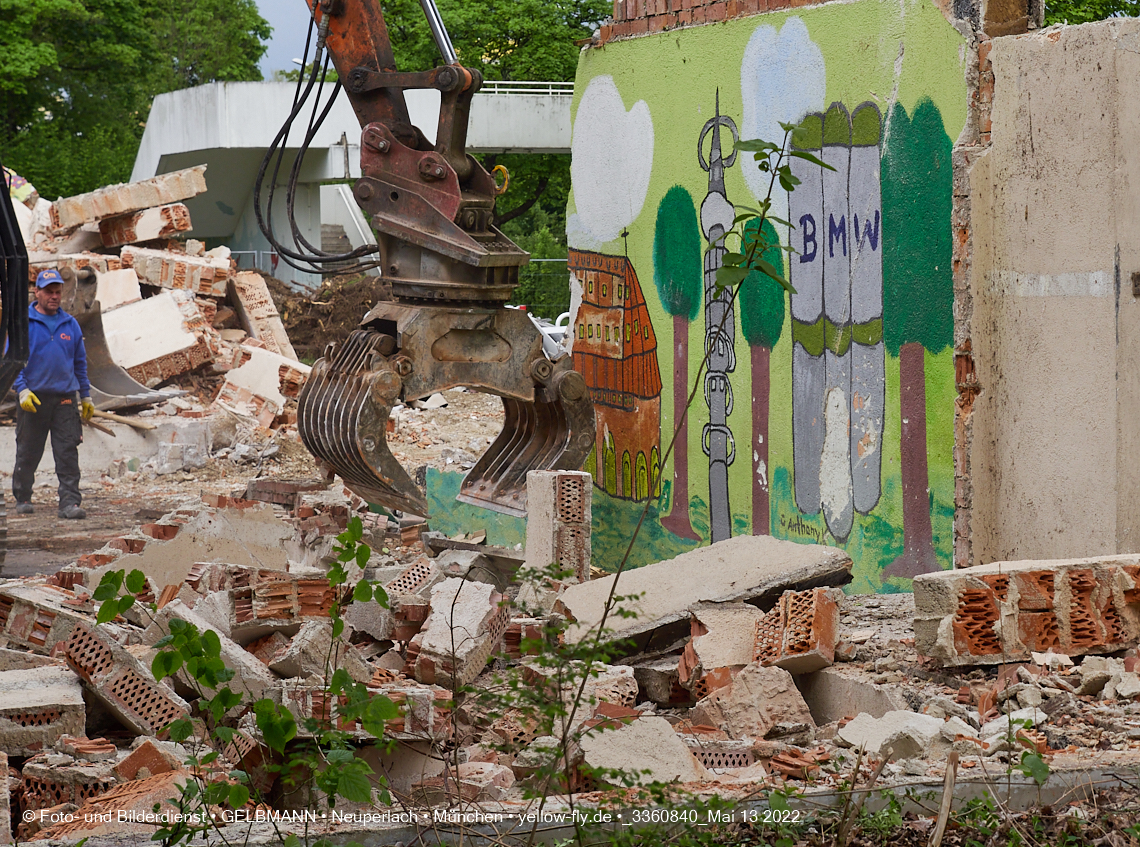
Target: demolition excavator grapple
x=451, y=274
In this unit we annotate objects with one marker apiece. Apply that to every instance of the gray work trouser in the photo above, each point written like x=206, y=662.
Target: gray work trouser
x=57, y=416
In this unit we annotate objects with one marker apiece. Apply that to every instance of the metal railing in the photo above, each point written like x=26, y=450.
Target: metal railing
x=564, y=89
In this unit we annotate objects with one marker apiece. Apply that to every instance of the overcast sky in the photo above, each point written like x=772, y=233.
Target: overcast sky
x=290, y=22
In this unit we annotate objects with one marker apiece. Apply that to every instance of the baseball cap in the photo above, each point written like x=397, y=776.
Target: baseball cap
x=46, y=278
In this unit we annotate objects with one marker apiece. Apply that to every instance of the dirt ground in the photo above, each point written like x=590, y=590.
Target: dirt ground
x=447, y=438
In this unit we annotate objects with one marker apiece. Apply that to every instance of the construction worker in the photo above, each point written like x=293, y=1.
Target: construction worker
x=54, y=396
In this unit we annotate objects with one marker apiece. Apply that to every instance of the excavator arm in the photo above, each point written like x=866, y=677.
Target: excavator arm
x=451, y=272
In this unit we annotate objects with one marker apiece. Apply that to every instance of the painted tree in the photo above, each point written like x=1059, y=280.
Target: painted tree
x=762, y=321
x=918, y=299
x=678, y=273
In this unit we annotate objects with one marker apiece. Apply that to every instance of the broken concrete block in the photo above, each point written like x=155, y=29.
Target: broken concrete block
x=558, y=521
x=1006, y=611
x=311, y=653
x=257, y=313
x=464, y=628
x=905, y=728
x=659, y=681
x=836, y=693
x=160, y=337
x=472, y=782
x=145, y=225
x=37, y=617
x=646, y=748
x=425, y=710
x=251, y=677
x=53, y=778
x=371, y=618
x=264, y=649
x=721, y=753
x=37, y=707
x=748, y=567
x=1128, y=688
x=145, y=761
x=132, y=801
x=122, y=683
x=117, y=288
x=68, y=212
x=799, y=634
x=91, y=749
x=755, y=701
x=260, y=383
x=177, y=271
x=722, y=642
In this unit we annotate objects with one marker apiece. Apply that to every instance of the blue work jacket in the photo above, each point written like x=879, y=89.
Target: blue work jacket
x=57, y=363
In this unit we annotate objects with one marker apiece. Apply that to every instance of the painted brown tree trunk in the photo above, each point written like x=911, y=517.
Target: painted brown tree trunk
x=918, y=538
x=761, y=383
x=677, y=521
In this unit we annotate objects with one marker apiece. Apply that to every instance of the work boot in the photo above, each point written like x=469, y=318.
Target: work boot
x=24, y=508
x=72, y=513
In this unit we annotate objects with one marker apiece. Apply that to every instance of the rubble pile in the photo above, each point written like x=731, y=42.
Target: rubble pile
x=738, y=666
x=169, y=306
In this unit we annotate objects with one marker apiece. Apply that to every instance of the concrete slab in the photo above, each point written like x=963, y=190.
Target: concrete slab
x=754, y=701
x=37, y=707
x=748, y=567
x=647, y=748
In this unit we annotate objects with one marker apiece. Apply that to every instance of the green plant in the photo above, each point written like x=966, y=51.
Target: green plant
x=322, y=761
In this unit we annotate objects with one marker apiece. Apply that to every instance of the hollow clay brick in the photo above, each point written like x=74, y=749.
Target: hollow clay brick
x=999, y=613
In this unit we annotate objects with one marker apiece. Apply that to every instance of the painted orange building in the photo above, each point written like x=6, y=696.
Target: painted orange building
x=615, y=349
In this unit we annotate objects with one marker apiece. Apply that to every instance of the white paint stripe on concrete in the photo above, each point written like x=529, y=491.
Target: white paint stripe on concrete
x=1080, y=284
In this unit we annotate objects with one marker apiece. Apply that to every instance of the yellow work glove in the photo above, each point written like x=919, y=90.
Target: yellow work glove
x=28, y=400
x=86, y=409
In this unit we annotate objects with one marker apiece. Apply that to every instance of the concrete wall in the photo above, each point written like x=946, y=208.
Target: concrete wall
x=829, y=417
x=1049, y=444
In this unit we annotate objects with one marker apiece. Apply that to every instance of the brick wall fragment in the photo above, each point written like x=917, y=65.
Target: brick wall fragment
x=1002, y=612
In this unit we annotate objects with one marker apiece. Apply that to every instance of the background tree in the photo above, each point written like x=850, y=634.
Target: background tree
x=1085, y=11
x=762, y=322
x=78, y=77
x=678, y=273
x=520, y=40
x=918, y=300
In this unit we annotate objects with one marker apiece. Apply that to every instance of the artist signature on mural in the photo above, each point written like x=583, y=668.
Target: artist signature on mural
x=798, y=526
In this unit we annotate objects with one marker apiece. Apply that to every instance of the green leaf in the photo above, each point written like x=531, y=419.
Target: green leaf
x=209, y=757
x=239, y=796
x=165, y=664
x=339, y=757
x=211, y=643
x=125, y=602
x=277, y=725
x=733, y=259
x=136, y=582
x=107, y=612
x=338, y=628
x=730, y=277
x=180, y=730
x=178, y=626
x=757, y=145
x=363, y=591
x=380, y=595
x=106, y=590
x=224, y=734
x=1033, y=765
x=340, y=681
x=355, y=528
x=291, y=840
x=354, y=785
x=362, y=554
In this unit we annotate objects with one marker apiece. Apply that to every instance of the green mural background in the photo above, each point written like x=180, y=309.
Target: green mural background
x=901, y=57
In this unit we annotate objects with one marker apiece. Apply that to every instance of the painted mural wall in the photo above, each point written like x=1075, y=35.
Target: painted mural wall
x=824, y=416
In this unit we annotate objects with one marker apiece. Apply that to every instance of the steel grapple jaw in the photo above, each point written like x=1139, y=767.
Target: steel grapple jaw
x=407, y=352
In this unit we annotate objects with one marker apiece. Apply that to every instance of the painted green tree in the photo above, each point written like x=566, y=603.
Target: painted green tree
x=761, y=321
x=918, y=300
x=678, y=273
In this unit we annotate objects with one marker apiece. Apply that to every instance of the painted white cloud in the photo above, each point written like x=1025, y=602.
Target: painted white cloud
x=612, y=160
x=782, y=78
